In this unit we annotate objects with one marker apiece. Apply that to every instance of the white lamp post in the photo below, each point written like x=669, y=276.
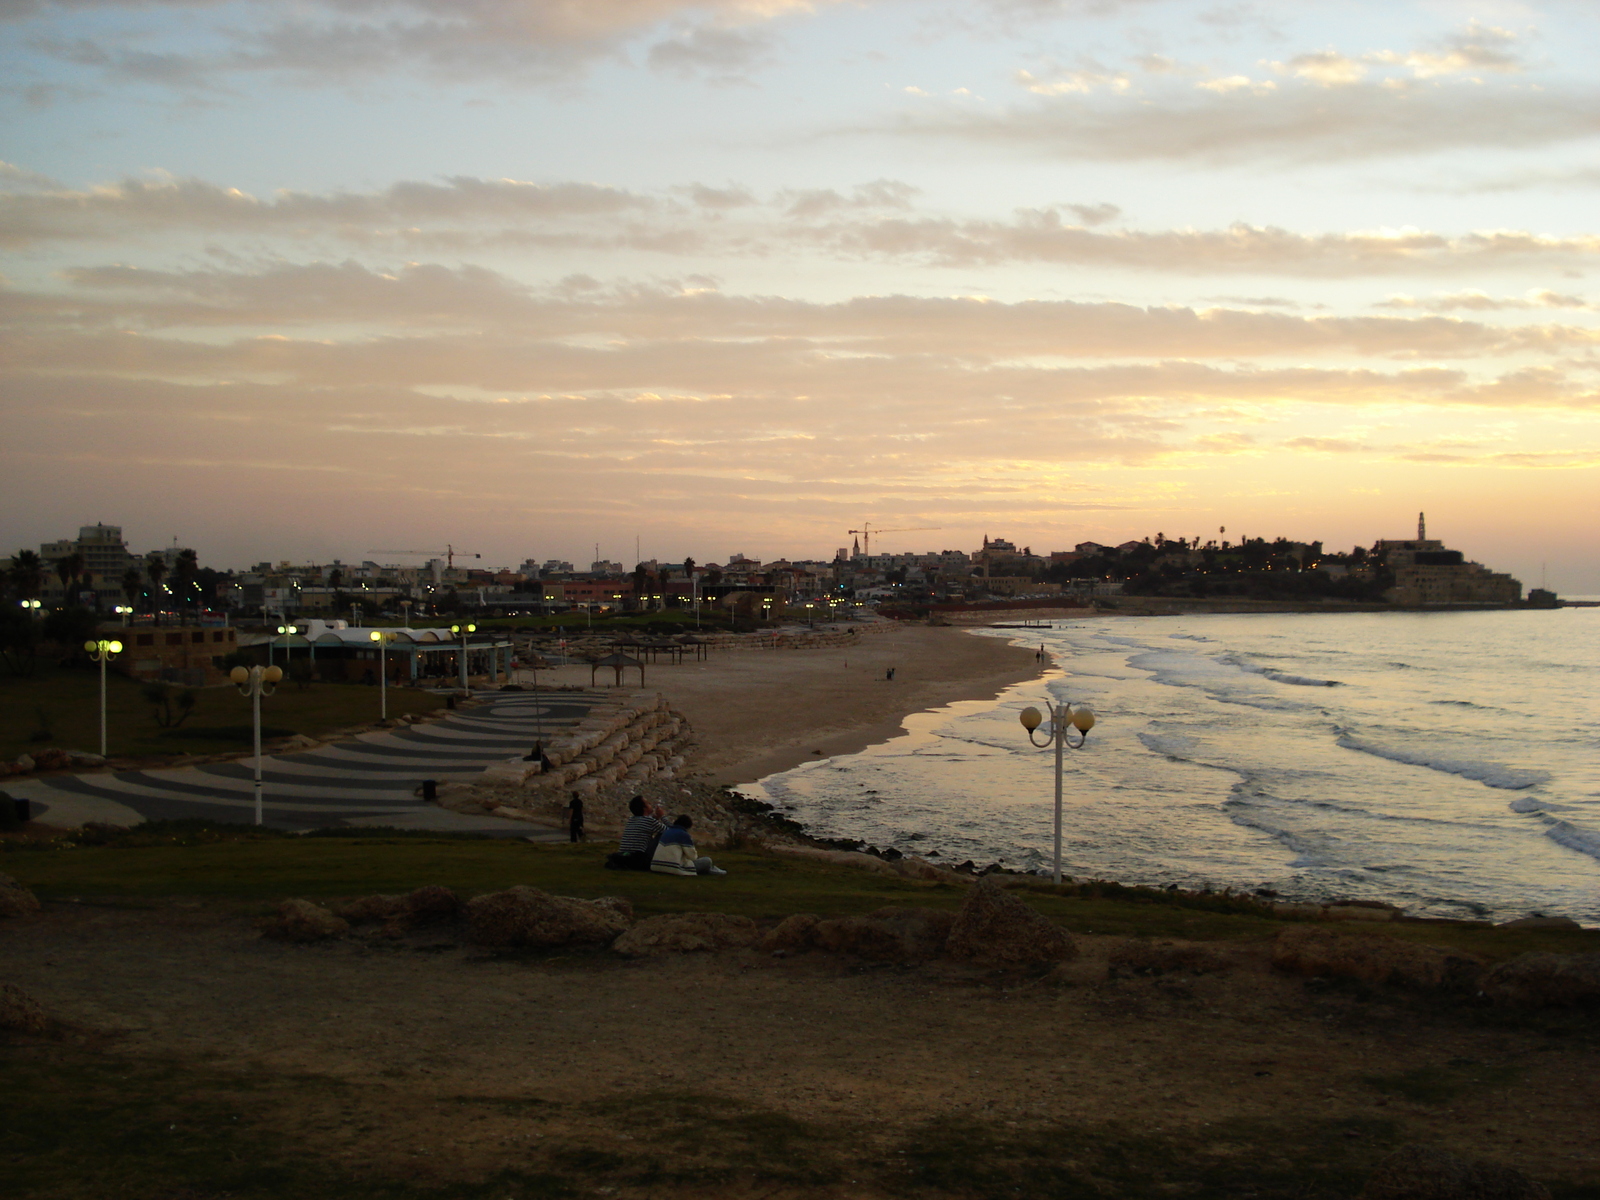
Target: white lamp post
x=102, y=651
x=123, y=611
x=256, y=682
x=464, y=630
x=288, y=647
x=383, y=638
x=1062, y=717
x=31, y=606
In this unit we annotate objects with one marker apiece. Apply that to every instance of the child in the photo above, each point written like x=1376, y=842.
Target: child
x=675, y=855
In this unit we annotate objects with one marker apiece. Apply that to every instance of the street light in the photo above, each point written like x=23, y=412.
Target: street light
x=288, y=647
x=102, y=651
x=1062, y=717
x=31, y=605
x=256, y=682
x=463, y=630
x=123, y=611
x=383, y=638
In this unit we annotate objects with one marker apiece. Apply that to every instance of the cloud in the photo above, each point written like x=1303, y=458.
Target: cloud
x=879, y=194
x=1238, y=122
x=1062, y=82
x=1477, y=301
x=1478, y=48
x=1326, y=445
x=331, y=40
x=1327, y=68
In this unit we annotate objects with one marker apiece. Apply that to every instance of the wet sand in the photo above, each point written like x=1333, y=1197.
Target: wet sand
x=756, y=712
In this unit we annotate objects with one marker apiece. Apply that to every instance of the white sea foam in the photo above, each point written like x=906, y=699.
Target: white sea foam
x=1281, y=676
x=1495, y=775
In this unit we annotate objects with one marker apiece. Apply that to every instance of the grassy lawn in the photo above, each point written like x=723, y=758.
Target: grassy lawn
x=260, y=868
x=66, y=703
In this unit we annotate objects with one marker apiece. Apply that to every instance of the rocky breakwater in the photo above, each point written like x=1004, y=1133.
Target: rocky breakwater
x=630, y=737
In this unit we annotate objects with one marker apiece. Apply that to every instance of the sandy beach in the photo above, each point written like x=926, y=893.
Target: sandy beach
x=755, y=712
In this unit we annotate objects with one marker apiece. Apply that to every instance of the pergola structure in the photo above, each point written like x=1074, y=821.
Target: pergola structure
x=617, y=661
x=411, y=655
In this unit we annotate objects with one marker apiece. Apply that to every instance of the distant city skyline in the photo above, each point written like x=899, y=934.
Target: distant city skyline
x=289, y=282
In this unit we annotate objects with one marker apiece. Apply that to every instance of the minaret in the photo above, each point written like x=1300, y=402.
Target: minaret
x=1422, y=528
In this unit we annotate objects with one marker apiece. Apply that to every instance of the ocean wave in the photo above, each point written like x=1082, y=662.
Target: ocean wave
x=1584, y=841
x=1282, y=676
x=1490, y=774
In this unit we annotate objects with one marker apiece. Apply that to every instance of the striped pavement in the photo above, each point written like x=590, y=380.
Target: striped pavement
x=371, y=779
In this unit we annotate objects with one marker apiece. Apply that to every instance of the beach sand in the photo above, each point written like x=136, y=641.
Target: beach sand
x=756, y=712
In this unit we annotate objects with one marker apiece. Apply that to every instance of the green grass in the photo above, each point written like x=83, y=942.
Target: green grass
x=221, y=722
x=243, y=864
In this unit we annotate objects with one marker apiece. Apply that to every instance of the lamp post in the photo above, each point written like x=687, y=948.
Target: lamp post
x=102, y=652
x=464, y=630
x=30, y=606
x=288, y=647
x=1062, y=717
x=383, y=638
x=405, y=607
x=256, y=682
x=123, y=611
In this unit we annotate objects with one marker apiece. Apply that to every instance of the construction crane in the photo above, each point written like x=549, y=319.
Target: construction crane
x=866, y=531
x=448, y=554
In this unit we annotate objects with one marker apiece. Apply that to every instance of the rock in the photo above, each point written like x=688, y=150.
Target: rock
x=1541, y=923
x=1138, y=957
x=1420, y=1173
x=20, y=1011
x=527, y=917
x=16, y=900
x=1377, y=959
x=682, y=933
x=82, y=758
x=24, y=764
x=51, y=760
x=366, y=909
x=796, y=932
x=303, y=921
x=994, y=926
x=893, y=934
x=432, y=903
x=1544, y=981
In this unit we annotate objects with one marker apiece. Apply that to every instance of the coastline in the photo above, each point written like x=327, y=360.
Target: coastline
x=757, y=712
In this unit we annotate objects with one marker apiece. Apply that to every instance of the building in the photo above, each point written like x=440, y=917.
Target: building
x=190, y=657
x=106, y=560
x=1429, y=575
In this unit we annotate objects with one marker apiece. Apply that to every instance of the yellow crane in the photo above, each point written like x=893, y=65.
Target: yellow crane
x=449, y=554
x=866, y=531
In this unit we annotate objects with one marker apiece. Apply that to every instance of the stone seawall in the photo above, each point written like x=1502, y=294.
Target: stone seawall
x=631, y=736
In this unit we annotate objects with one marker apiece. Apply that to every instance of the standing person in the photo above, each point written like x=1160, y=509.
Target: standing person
x=639, y=837
x=676, y=854
x=575, y=817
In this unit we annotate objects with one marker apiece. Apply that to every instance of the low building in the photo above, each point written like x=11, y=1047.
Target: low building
x=1427, y=574
x=188, y=656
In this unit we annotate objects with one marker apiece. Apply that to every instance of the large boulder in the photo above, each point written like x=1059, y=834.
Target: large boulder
x=893, y=934
x=681, y=933
x=795, y=932
x=1374, y=959
x=1143, y=957
x=400, y=914
x=994, y=926
x=1544, y=981
x=1420, y=1173
x=16, y=900
x=20, y=1011
x=303, y=921
x=525, y=917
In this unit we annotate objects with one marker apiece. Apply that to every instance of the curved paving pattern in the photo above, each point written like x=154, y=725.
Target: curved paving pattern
x=372, y=779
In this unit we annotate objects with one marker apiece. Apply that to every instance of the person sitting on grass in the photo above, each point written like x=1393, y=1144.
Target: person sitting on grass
x=676, y=854
x=639, y=837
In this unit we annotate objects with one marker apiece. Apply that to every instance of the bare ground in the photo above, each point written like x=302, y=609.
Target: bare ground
x=430, y=1063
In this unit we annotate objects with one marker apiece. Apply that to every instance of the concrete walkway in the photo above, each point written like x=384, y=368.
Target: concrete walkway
x=372, y=779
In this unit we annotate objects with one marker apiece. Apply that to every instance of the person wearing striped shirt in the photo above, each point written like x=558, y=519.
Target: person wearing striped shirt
x=639, y=836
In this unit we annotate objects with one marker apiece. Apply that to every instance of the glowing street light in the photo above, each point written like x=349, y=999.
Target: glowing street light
x=103, y=651
x=1062, y=717
x=32, y=606
x=256, y=682
x=124, y=611
x=383, y=637
x=464, y=630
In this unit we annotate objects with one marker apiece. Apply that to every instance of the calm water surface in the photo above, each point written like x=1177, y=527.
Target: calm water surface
x=1447, y=762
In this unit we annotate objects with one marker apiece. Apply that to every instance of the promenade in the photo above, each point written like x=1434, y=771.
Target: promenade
x=371, y=779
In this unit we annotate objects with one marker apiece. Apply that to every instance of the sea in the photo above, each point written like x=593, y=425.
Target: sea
x=1448, y=762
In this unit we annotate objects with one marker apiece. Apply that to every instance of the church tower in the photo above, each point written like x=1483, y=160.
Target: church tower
x=1422, y=527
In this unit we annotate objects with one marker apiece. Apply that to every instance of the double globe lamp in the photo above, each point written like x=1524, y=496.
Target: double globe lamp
x=1063, y=717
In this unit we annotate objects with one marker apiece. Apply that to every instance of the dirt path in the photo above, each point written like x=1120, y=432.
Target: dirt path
x=471, y=1064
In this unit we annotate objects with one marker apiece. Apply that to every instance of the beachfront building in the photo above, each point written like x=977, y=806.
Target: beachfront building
x=1427, y=574
x=105, y=560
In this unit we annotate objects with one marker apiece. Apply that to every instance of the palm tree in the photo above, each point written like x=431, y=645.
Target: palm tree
x=183, y=574
x=68, y=570
x=133, y=585
x=155, y=567
x=27, y=574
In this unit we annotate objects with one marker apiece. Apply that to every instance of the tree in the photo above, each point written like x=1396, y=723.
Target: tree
x=688, y=568
x=183, y=573
x=27, y=574
x=68, y=570
x=155, y=569
x=133, y=585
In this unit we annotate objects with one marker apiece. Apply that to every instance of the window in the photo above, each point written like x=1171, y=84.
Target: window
x=219, y=636
x=174, y=639
x=197, y=637
x=145, y=639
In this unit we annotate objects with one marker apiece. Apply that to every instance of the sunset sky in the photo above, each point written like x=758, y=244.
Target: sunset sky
x=310, y=278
